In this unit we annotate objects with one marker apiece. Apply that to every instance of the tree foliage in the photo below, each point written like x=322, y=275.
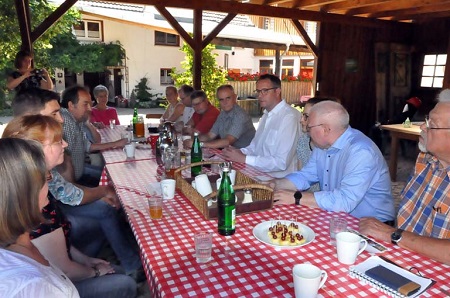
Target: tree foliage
x=212, y=75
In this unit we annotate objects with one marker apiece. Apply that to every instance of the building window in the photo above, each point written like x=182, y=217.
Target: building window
x=265, y=66
x=433, y=71
x=166, y=39
x=165, y=77
x=89, y=30
x=268, y=23
x=287, y=67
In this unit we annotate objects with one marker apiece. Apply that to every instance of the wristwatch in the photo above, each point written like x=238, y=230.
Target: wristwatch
x=396, y=236
x=97, y=272
x=297, y=196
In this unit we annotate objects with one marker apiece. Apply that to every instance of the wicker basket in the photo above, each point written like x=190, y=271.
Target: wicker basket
x=262, y=195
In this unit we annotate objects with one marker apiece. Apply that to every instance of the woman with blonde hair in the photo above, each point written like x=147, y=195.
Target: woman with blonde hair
x=92, y=277
x=25, y=272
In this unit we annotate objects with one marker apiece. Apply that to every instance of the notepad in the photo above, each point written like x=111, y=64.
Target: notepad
x=374, y=271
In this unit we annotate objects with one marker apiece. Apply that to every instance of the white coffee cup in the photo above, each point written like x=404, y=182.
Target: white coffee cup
x=129, y=150
x=168, y=188
x=232, y=175
x=348, y=247
x=203, y=185
x=308, y=279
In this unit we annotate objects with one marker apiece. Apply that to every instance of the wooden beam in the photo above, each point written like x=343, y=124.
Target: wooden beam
x=23, y=15
x=197, y=79
x=51, y=19
x=217, y=30
x=175, y=25
x=305, y=37
x=257, y=44
x=349, y=4
x=268, y=11
x=393, y=5
x=408, y=13
x=312, y=3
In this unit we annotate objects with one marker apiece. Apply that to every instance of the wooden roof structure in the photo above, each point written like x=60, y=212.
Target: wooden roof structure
x=371, y=13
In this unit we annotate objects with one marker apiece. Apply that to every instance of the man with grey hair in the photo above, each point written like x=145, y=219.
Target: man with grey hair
x=423, y=220
x=351, y=171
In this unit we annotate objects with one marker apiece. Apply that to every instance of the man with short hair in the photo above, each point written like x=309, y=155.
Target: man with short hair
x=76, y=103
x=233, y=126
x=423, y=220
x=351, y=171
x=204, y=116
x=273, y=149
x=35, y=100
x=184, y=93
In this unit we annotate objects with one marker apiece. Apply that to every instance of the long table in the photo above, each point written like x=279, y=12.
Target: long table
x=241, y=266
x=398, y=132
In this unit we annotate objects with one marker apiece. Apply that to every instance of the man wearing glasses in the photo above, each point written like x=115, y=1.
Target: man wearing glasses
x=233, y=126
x=272, y=150
x=423, y=220
x=351, y=171
x=204, y=116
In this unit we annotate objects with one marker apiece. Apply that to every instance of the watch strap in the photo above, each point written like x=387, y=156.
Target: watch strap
x=297, y=196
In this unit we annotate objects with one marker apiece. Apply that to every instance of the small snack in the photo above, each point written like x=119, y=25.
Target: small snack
x=284, y=235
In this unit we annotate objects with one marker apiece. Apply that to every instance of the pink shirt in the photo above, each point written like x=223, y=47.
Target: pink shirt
x=104, y=115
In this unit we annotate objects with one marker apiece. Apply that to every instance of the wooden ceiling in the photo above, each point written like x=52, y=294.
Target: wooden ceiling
x=361, y=12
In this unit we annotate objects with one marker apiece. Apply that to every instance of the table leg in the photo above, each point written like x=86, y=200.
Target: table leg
x=394, y=155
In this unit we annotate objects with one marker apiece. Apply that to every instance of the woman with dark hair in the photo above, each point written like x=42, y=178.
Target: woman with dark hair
x=27, y=77
x=25, y=272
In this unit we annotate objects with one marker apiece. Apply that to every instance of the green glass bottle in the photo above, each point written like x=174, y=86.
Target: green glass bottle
x=196, y=155
x=135, y=120
x=226, y=204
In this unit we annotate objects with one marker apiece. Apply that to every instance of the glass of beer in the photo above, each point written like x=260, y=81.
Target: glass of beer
x=172, y=161
x=155, y=205
x=139, y=128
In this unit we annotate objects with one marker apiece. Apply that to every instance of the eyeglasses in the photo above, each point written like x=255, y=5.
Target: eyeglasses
x=60, y=142
x=198, y=103
x=225, y=98
x=305, y=116
x=308, y=128
x=264, y=91
x=427, y=124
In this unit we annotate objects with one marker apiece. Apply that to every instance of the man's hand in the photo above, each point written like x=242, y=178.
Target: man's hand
x=99, y=125
x=119, y=143
x=373, y=227
x=283, y=197
x=233, y=154
x=110, y=197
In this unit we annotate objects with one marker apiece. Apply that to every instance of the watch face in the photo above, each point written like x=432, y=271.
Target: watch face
x=298, y=195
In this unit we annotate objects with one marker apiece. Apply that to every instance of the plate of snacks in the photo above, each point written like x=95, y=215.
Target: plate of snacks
x=284, y=234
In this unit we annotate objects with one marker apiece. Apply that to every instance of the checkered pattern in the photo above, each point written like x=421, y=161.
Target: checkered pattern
x=241, y=266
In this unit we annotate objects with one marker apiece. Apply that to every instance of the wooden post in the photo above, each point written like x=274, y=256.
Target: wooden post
x=197, y=80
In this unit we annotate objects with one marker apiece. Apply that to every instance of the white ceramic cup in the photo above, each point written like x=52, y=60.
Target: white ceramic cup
x=308, y=279
x=168, y=188
x=203, y=185
x=129, y=149
x=232, y=175
x=348, y=247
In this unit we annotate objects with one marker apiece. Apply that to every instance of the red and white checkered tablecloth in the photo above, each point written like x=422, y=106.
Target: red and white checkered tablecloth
x=241, y=266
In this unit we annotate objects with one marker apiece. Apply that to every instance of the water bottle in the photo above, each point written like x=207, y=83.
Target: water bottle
x=226, y=204
x=196, y=155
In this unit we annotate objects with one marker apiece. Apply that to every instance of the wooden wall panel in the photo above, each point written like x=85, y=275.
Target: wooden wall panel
x=346, y=68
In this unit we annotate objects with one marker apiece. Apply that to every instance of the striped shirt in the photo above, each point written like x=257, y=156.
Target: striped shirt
x=425, y=207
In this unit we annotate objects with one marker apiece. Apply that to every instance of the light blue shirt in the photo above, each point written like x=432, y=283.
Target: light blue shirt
x=353, y=177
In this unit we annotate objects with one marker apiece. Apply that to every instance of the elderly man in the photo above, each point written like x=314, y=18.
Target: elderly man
x=351, y=171
x=184, y=93
x=204, y=116
x=174, y=111
x=233, y=126
x=423, y=221
x=76, y=103
x=272, y=150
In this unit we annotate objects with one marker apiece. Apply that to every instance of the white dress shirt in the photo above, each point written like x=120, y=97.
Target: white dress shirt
x=273, y=149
